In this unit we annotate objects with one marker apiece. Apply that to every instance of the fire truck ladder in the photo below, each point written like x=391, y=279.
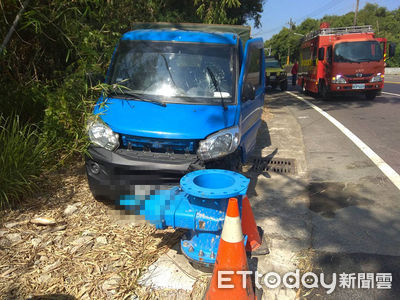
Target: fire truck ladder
x=339, y=30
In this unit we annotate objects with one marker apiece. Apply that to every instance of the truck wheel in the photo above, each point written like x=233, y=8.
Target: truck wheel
x=370, y=95
x=283, y=85
x=273, y=86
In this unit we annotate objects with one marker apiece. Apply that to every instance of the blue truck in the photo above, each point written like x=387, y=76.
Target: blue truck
x=183, y=97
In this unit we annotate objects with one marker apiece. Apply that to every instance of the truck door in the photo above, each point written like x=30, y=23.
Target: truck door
x=251, y=93
x=383, y=42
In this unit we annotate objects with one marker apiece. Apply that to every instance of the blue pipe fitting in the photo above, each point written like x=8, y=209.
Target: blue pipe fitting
x=199, y=205
x=214, y=184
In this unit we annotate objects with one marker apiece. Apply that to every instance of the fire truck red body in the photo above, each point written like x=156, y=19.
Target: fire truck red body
x=342, y=60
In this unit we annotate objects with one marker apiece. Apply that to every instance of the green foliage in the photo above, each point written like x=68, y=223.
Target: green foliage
x=24, y=154
x=385, y=23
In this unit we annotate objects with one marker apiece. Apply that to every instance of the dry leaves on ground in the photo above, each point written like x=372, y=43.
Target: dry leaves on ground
x=65, y=242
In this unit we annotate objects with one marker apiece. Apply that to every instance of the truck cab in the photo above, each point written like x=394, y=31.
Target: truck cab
x=275, y=75
x=182, y=98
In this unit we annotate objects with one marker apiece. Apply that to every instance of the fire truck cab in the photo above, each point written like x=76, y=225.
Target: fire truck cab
x=343, y=60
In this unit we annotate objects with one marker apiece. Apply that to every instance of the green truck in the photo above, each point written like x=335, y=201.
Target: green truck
x=275, y=75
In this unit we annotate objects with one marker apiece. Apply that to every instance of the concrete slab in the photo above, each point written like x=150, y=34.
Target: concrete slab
x=171, y=271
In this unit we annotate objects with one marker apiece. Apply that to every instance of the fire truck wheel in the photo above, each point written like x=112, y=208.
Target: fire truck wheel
x=370, y=95
x=283, y=86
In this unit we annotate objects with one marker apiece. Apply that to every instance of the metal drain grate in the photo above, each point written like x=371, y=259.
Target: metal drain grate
x=277, y=165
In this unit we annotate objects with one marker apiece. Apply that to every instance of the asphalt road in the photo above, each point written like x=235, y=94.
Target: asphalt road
x=376, y=122
x=392, y=85
x=355, y=208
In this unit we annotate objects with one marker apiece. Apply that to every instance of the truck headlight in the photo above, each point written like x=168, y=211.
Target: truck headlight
x=102, y=135
x=338, y=79
x=219, y=144
x=377, y=78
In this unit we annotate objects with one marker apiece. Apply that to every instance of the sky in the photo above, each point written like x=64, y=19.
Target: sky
x=277, y=13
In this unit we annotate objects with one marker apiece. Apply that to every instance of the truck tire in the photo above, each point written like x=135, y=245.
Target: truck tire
x=370, y=95
x=273, y=86
x=283, y=85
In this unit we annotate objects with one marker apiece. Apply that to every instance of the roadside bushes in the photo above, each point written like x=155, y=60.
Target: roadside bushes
x=24, y=155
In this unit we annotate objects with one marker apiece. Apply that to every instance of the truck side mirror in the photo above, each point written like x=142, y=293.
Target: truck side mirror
x=94, y=79
x=249, y=92
x=321, y=53
x=392, y=49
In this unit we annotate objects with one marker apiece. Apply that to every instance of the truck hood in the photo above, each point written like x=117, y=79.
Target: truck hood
x=174, y=121
x=345, y=68
x=270, y=70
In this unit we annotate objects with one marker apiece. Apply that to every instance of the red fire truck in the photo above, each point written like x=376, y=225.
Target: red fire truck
x=342, y=60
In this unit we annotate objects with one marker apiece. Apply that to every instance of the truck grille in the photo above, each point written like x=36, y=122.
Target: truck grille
x=355, y=76
x=159, y=145
x=358, y=80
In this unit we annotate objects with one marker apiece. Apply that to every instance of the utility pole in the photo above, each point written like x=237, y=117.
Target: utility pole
x=291, y=25
x=355, y=14
x=269, y=49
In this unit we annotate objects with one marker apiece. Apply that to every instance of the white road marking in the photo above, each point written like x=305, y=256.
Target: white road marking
x=398, y=95
x=393, y=176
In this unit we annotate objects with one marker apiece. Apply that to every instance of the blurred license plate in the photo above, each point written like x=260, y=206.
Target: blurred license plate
x=359, y=86
x=272, y=77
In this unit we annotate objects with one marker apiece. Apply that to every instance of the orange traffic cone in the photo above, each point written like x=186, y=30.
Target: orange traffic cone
x=255, y=244
x=231, y=258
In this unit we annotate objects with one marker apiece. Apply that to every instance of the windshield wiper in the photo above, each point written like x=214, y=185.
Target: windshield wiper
x=137, y=96
x=216, y=85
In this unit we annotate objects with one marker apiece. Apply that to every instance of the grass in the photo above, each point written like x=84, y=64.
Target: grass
x=24, y=154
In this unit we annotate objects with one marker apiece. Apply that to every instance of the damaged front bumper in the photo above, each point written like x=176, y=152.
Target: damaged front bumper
x=111, y=174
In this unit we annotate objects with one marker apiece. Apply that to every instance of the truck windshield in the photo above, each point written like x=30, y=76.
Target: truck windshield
x=175, y=72
x=357, y=52
x=272, y=64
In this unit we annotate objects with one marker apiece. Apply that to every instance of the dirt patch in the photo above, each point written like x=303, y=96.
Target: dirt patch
x=80, y=251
